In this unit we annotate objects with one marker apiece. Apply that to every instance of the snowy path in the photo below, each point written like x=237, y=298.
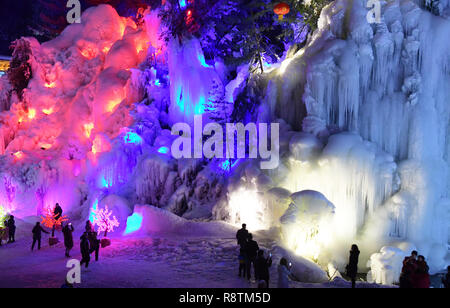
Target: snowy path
x=175, y=262
x=131, y=262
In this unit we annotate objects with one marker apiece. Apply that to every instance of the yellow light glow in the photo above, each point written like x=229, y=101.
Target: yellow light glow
x=88, y=127
x=47, y=111
x=18, y=154
x=247, y=206
x=284, y=66
x=50, y=84
x=31, y=113
x=112, y=104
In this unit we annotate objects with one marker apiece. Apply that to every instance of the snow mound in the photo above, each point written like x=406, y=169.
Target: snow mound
x=159, y=221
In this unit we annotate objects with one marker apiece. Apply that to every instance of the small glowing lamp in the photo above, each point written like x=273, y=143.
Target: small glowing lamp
x=281, y=9
x=163, y=150
x=18, y=154
x=31, y=113
x=88, y=127
x=47, y=111
x=50, y=84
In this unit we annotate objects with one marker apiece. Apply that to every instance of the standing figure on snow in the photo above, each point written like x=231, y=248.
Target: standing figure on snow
x=37, y=235
x=242, y=262
x=88, y=227
x=84, y=249
x=12, y=229
x=446, y=279
x=251, y=250
x=421, y=278
x=58, y=214
x=352, y=266
x=284, y=274
x=242, y=236
x=94, y=244
x=408, y=270
x=262, y=266
x=68, y=238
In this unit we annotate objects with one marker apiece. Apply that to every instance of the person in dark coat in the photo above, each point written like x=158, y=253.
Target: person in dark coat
x=262, y=266
x=58, y=213
x=242, y=262
x=88, y=227
x=408, y=270
x=37, y=235
x=242, y=236
x=352, y=266
x=446, y=279
x=421, y=277
x=94, y=244
x=12, y=229
x=84, y=248
x=251, y=249
x=68, y=238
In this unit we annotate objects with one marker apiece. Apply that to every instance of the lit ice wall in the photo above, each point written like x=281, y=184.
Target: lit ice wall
x=192, y=81
x=389, y=83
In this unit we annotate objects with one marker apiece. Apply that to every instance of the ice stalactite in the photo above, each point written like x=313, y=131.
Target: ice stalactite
x=192, y=81
x=354, y=175
x=388, y=83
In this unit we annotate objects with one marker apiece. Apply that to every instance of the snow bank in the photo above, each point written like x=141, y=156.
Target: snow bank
x=303, y=269
x=306, y=225
x=160, y=221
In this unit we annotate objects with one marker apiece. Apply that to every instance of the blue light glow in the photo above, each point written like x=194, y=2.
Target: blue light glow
x=131, y=137
x=134, y=223
x=182, y=3
x=200, y=107
x=105, y=183
x=163, y=150
x=227, y=165
x=201, y=58
x=92, y=213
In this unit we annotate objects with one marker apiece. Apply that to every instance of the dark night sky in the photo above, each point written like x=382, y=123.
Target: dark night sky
x=15, y=17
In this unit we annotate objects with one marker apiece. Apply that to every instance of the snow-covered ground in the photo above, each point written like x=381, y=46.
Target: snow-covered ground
x=150, y=261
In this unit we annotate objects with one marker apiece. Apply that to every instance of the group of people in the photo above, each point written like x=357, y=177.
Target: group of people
x=8, y=231
x=89, y=243
x=415, y=272
x=250, y=255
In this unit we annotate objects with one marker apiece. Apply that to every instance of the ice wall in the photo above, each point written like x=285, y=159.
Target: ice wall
x=389, y=83
x=192, y=81
x=76, y=105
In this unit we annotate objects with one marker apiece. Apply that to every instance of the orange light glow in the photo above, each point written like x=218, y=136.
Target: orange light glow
x=31, y=113
x=89, y=52
x=47, y=111
x=88, y=127
x=50, y=84
x=45, y=146
x=106, y=49
x=18, y=155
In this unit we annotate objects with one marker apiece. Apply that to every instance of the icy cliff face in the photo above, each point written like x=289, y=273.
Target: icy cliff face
x=77, y=102
x=389, y=83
